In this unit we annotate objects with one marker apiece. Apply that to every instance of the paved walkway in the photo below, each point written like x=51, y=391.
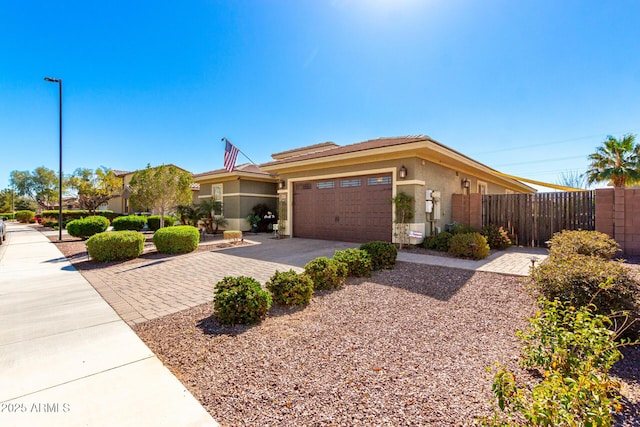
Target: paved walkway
x=513, y=261
x=66, y=358
x=152, y=288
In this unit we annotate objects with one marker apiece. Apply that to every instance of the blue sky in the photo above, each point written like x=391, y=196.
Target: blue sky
x=528, y=87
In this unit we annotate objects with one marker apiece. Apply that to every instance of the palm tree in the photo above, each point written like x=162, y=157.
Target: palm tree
x=616, y=161
x=208, y=209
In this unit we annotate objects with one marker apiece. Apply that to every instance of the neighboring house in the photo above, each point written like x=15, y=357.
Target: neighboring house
x=239, y=191
x=344, y=193
x=121, y=203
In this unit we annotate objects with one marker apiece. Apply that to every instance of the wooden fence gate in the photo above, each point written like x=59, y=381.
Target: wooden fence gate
x=533, y=218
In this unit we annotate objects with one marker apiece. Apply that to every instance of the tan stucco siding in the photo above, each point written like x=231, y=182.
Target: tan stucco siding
x=257, y=187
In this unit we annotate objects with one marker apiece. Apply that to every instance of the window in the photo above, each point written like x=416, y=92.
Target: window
x=216, y=191
x=381, y=180
x=350, y=183
x=325, y=184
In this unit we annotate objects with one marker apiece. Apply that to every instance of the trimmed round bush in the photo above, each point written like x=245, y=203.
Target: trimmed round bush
x=290, y=288
x=469, y=245
x=593, y=243
x=358, y=262
x=129, y=222
x=496, y=237
x=180, y=239
x=578, y=279
x=87, y=227
x=326, y=273
x=442, y=241
x=25, y=217
x=383, y=254
x=153, y=222
x=240, y=300
x=115, y=245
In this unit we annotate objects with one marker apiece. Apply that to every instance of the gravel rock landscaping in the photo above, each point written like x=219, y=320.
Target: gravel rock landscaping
x=407, y=346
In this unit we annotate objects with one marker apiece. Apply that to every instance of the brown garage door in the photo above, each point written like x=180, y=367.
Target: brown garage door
x=351, y=209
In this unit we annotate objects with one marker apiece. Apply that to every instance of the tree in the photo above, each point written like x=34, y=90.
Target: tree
x=7, y=197
x=404, y=213
x=616, y=161
x=208, y=209
x=41, y=185
x=94, y=188
x=161, y=188
x=573, y=179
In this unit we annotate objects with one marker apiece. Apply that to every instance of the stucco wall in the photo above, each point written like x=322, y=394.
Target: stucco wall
x=422, y=175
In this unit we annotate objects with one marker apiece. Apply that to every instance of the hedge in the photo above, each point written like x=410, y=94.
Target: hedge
x=129, y=222
x=240, y=300
x=115, y=245
x=87, y=227
x=180, y=239
x=153, y=222
x=383, y=254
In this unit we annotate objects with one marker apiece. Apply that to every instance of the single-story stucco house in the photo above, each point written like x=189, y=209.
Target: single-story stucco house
x=239, y=191
x=327, y=191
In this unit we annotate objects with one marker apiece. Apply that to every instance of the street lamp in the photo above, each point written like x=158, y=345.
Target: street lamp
x=59, y=81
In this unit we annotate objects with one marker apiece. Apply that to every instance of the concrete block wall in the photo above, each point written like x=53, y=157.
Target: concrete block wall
x=618, y=215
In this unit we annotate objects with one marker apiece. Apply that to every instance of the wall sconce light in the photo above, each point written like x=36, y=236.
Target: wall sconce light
x=402, y=172
x=466, y=183
x=281, y=184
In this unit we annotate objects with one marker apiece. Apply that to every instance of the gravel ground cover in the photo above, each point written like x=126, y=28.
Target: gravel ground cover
x=405, y=347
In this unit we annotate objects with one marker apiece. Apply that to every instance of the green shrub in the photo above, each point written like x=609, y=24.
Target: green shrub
x=574, y=348
x=461, y=229
x=442, y=241
x=326, y=273
x=592, y=243
x=358, y=261
x=180, y=239
x=25, y=217
x=87, y=227
x=240, y=300
x=469, y=245
x=8, y=215
x=68, y=215
x=383, y=254
x=429, y=242
x=290, y=288
x=581, y=279
x=496, y=237
x=115, y=245
x=153, y=222
x=129, y=222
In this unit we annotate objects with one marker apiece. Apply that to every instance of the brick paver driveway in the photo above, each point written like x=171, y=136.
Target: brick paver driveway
x=154, y=288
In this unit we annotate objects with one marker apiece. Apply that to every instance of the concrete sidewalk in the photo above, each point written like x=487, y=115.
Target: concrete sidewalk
x=66, y=358
x=513, y=261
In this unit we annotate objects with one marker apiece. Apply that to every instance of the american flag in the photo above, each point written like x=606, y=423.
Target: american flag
x=230, y=156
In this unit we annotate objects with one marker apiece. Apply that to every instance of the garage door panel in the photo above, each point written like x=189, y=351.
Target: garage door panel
x=353, y=209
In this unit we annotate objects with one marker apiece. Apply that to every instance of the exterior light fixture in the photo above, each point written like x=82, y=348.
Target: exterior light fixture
x=59, y=81
x=402, y=172
x=466, y=183
x=282, y=184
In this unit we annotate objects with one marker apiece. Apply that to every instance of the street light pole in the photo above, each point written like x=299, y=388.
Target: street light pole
x=59, y=81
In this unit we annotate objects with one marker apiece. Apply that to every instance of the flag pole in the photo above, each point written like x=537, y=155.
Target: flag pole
x=239, y=151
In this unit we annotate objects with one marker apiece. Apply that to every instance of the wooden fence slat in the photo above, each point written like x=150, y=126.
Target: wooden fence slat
x=532, y=219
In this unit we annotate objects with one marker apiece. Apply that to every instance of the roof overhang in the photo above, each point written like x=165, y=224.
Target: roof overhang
x=426, y=149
